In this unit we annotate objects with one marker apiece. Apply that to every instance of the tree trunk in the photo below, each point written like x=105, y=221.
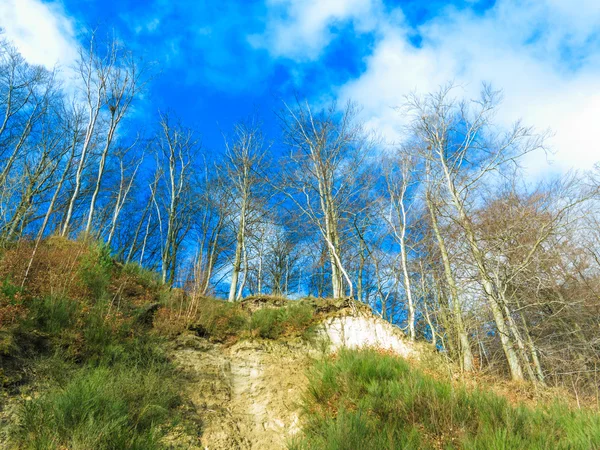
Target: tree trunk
x=93, y=116
x=465, y=347
x=237, y=261
x=511, y=356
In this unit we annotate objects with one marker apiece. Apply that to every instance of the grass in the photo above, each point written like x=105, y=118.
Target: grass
x=95, y=270
x=98, y=378
x=147, y=278
x=100, y=408
x=222, y=321
x=105, y=383
x=272, y=323
x=52, y=315
x=368, y=400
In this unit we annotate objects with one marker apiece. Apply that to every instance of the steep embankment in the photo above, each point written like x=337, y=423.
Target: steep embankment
x=249, y=393
x=97, y=355
x=321, y=374
x=80, y=365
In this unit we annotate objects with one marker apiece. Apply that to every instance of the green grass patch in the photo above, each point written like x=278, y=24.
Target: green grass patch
x=367, y=400
x=81, y=369
x=104, y=383
x=219, y=320
x=272, y=323
x=146, y=278
x=99, y=378
x=95, y=270
x=100, y=408
x=9, y=291
x=223, y=321
x=53, y=315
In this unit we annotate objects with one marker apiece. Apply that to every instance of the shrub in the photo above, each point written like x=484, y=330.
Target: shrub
x=110, y=383
x=219, y=321
x=11, y=303
x=53, y=315
x=55, y=269
x=268, y=323
x=167, y=323
x=367, y=400
x=300, y=319
x=147, y=279
x=272, y=323
x=10, y=291
x=95, y=271
x=104, y=381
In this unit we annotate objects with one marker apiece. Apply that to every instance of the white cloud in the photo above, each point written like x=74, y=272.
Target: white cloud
x=544, y=54
x=541, y=53
x=144, y=26
x=41, y=31
x=301, y=29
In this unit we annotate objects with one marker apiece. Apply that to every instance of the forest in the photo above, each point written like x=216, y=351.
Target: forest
x=441, y=233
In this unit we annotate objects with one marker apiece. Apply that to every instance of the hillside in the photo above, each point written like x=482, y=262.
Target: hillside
x=249, y=391
x=100, y=355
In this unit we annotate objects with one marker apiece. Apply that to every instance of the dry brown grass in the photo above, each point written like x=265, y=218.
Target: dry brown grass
x=54, y=268
x=435, y=365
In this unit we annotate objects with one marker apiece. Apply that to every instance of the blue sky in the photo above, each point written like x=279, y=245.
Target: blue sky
x=220, y=61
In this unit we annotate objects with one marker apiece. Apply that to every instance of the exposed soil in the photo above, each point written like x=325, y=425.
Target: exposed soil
x=247, y=395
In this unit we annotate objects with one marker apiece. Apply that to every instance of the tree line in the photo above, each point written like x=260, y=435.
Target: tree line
x=440, y=233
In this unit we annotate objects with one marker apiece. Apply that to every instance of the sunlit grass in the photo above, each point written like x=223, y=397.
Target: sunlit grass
x=367, y=400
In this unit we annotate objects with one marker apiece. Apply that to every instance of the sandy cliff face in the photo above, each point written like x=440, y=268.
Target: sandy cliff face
x=364, y=330
x=248, y=394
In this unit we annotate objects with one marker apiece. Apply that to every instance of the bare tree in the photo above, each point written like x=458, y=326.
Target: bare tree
x=464, y=146
x=93, y=71
x=215, y=207
x=71, y=128
x=401, y=180
x=125, y=184
x=120, y=77
x=245, y=156
x=326, y=152
x=176, y=151
x=431, y=192
x=26, y=94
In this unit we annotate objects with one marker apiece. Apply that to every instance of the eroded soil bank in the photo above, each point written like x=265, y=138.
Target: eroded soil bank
x=247, y=395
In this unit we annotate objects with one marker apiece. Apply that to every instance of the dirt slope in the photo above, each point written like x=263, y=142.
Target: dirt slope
x=247, y=395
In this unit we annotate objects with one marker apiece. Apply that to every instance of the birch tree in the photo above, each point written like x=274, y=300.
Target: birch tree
x=400, y=181
x=432, y=191
x=120, y=75
x=92, y=71
x=462, y=141
x=26, y=93
x=176, y=150
x=326, y=151
x=244, y=160
x=126, y=182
